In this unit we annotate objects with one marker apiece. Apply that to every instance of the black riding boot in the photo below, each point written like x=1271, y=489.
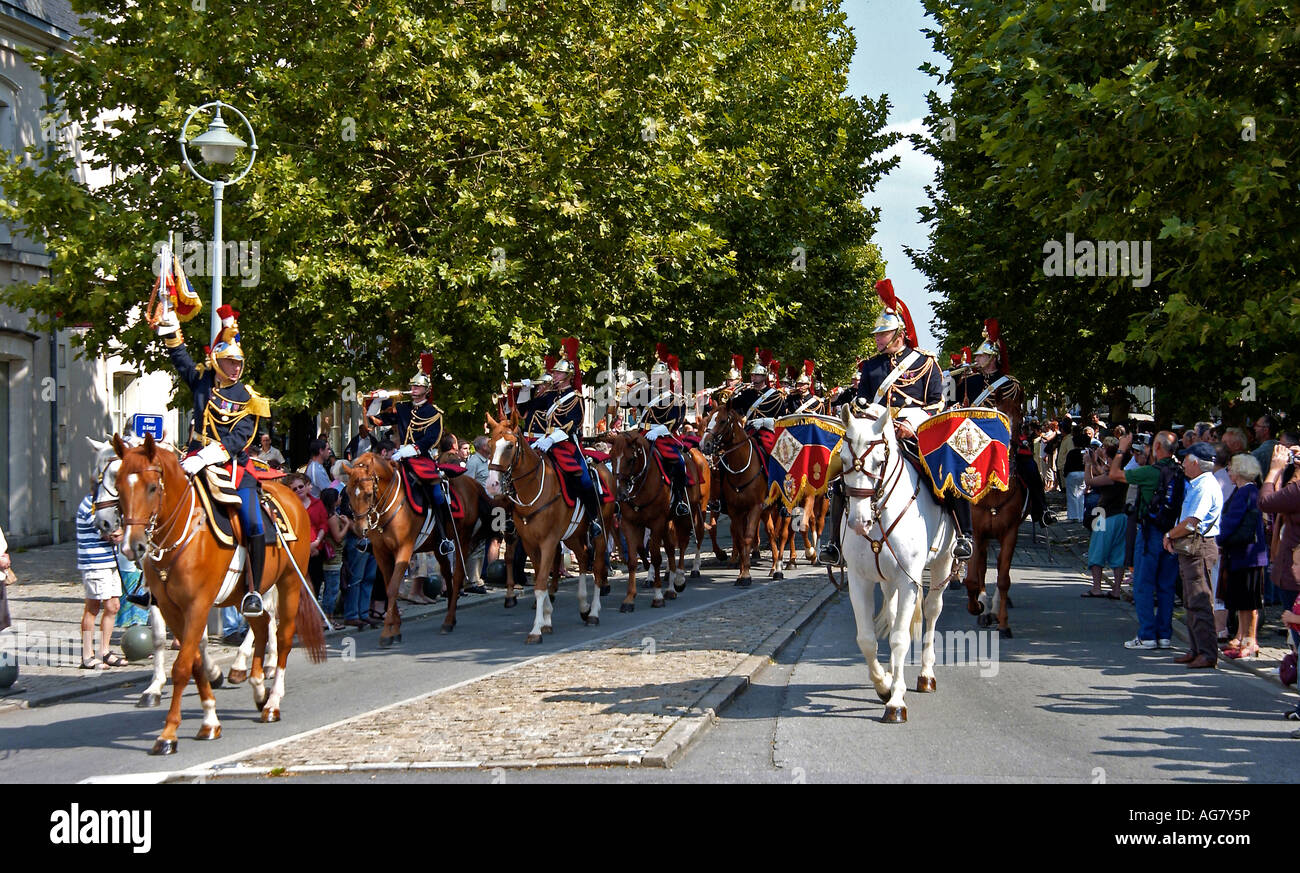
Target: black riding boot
x=591, y=504
x=1037, y=495
x=680, y=505
x=445, y=545
x=831, y=550
x=251, y=607
x=961, y=515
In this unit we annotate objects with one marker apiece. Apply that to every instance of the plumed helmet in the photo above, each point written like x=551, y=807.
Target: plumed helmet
x=737, y=367
x=805, y=377
x=895, y=315
x=227, y=345
x=762, y=363
x=423, y=376
x=992, y=344
x=661, y=367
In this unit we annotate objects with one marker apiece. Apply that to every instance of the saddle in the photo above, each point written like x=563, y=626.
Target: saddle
x=667, y=452
x=218, y=497
x=568, y=466
x=421, y=476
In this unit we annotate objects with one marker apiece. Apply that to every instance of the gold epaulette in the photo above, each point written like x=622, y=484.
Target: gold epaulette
x=257, y=404
x=173, y=340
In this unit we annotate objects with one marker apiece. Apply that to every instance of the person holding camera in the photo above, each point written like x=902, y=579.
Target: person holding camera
x=1108, y=519
x=1192, y=539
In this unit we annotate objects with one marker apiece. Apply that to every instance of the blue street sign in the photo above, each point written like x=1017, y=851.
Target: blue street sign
x=144, y=424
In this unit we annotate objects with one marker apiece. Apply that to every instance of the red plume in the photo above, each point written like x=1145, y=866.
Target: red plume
x=674, y=364
x=764, y=357
x=966, y=355
x=956, y=358
x=550, y=361
x=808, y=367
x=661, y=351
x=426, y=363
x=775, y=370
x=995, y=337
x=885, y=289
x=738, y=361
x=570, y=344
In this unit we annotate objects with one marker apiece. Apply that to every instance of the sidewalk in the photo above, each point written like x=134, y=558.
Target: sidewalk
x=46, y=607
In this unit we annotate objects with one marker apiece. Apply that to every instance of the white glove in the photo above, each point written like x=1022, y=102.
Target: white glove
x=168, y=324
x=543, y=443
x=527, y=383
x=765, y=423
x=212, y=453
x=382, y=394
x=655, y=432
x=405, y=451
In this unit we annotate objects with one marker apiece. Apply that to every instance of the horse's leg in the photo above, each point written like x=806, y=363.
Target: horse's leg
x=543, y=558
x=931, y=606
x=975, y=568
x=632, y=534
x=860, y=591
x=599, y=574
x=901, y=602
x=210, y=668
x=582, y=557
x=152, y=696
x=656, y=560
x=752, y=521
x=260, y=628
x=773, y=541
x=288, y=604
x=1005, y=552
x=211, y=727
x=392, y=631
x=192, y=624
x=452, y=569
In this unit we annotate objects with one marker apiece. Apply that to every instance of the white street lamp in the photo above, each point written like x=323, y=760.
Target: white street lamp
x=217, y=146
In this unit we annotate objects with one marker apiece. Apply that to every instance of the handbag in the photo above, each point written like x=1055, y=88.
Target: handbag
x=1245, y=532
x=1189, y=545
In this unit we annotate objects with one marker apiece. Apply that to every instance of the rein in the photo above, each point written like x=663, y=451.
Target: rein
x=749, y=459
x=879, y=495
x=375, y=517
x=640, y=483
x=155, y=552
x=511, y=479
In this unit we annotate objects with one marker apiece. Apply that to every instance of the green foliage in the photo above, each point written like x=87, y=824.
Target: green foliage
x=1174, y=122
x=641, y=171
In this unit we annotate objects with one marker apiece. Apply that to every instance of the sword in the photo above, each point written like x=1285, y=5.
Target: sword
x=284, y=545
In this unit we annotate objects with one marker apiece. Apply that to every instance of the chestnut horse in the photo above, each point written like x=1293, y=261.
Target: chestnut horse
x=186, y=569
x=711, y=491
x=645, y=504
x=810, y=519
x=997, y=516
x=543, y=519
x=743, y=481
x=377, y=492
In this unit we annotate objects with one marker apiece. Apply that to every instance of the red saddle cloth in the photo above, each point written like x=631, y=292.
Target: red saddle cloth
x=568, y=464
x=690, y=440
x=766, y=439
x=262, y=471
x=668, y=451
x=420, y=478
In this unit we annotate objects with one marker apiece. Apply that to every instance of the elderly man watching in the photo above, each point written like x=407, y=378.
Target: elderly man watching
x=1193, y=540
x=1155, y=571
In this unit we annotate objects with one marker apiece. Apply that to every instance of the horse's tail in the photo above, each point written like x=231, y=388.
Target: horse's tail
x=311, y=632
x=881, y=620
x=918, y=615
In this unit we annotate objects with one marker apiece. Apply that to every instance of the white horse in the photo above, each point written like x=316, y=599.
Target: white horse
x=108, y=519
x=899, y=532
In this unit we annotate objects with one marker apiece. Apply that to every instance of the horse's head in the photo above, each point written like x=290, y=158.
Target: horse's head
x=504, y=440
x=142, y=479
x=869, y=443
x=369, y=478
x=630, y=454
x=107, y=515
x=725, y=429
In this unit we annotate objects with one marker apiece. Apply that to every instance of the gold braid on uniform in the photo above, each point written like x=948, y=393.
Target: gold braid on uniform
x=420, y=425
x=256, y=406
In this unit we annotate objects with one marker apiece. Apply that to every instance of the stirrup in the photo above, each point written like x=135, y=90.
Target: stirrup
x=446, y=547
x=1049, y=517
x=715, y=506
x=830, y=555
x=594, y=530
x=963, y=549
x=141, y=599
x=681, y=508
x=251, y=606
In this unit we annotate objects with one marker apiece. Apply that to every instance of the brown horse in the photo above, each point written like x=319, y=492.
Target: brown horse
x=645, y=504
x=743, y=482
x=810, y=521
x=711, y=491
x=997, y=516
x=394, y=528
x=543, y=520
x=185, y=567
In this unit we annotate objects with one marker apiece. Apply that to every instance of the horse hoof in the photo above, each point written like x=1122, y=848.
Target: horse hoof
x=217, y=682
x=895, y=715
x=163, y=747
x=583, y=615
x=657, y=604
x=447, y=628
x=547, y=629
x=148, y=700
x=722, y=556
x=591, y=621
x=695, y=574
x=677, y=589
x=790, y=565
x=778, y=575
x=388, y=642
x=977, y=608
x=671, y=593
x=744, y=583
x=926, y=684
x=533, y=639
x=647, y=583
x=237, y=677
x=209, y=732
x=604, y=591
x=626, y=607
x=883, y=695
x=1005, y=633
x=512, y=602
x=985, y=620
x=270, y=716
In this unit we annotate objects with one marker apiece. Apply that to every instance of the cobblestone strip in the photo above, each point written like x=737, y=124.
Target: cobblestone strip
x=610, y=702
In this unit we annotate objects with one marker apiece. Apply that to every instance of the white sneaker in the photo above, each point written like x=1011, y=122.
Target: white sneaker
x=1164, y=644
x=1137, y=643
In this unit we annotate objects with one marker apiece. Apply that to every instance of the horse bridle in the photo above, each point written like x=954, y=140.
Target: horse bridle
x=640, y=483
x=96, y=504
x=508, y=477
x=724, y=451
x=878, y=495
x=153, y=551
x=375, y=516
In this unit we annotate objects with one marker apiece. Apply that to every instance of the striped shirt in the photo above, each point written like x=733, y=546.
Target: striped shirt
x=93, y=552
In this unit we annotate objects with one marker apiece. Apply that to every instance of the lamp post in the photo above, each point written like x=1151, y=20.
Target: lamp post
x=217, y=146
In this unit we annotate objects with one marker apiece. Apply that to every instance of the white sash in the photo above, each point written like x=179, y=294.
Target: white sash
x=893, y=377
x=759, y=402
x=562, y=399
x=1002, y=380
x=808, y=404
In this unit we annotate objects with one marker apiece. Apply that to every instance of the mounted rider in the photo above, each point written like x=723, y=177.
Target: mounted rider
x=418, y=424
x=762, y=401
x=908, y=381
x=226, y=417
x=990, y=383
x=558, y=415
x=803, y=400
x=664, y=414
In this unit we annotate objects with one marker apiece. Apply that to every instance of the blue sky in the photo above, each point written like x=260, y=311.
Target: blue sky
x=890, y=48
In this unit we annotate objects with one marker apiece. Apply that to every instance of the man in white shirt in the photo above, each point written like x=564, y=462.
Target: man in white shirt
x=316, y=475
x=1199, y=523
x=269, y=454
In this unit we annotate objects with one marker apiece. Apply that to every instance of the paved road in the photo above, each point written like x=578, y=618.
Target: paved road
x=1067, y=704
x=105, y=734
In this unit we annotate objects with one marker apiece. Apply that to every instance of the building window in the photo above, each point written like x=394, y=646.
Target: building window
x=122, y=384
x=7, y=143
